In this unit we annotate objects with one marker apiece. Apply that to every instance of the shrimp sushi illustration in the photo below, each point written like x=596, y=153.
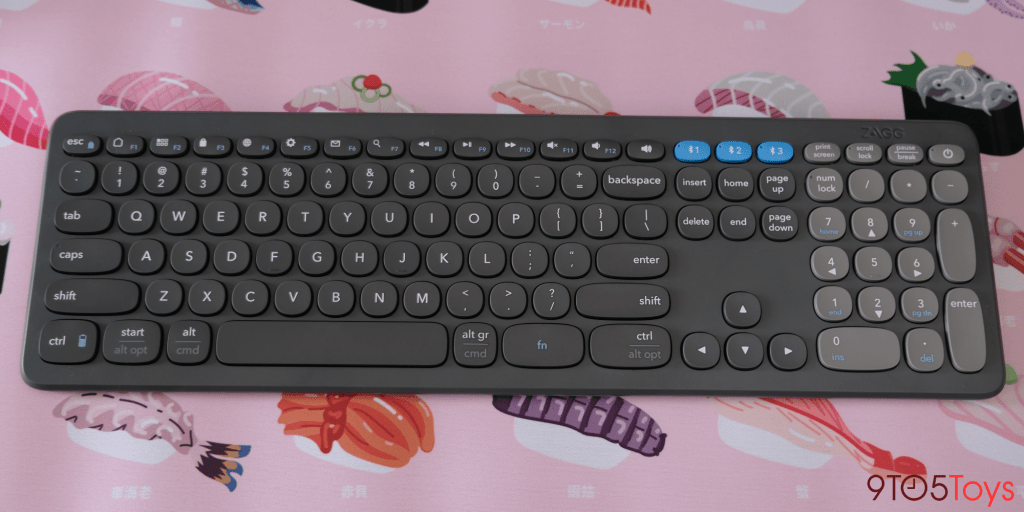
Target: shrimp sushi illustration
x=362, y=93
x=546, y=91
x=21, y=114
x=612, y=427
x=994, y=427
x=759, y=94
x=801, y=432
x=147, y=428
x=159, y=90
x=376, y=433
x=1007, y=253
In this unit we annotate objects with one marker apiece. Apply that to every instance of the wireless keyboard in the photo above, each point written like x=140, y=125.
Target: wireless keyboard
x=512, y=254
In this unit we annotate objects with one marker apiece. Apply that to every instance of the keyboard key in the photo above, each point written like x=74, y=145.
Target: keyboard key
x=431, y=219
x=787, y=352
x=77, y=177
x=572, y=260
x=645, y=221
x=779, y=223
x=915, y=264
x=161, y=178
x=136, y=217
x=536, y=181
x=401, y=259
x=600, y=221
x=305, y=218
x=876, y=304
x=256, y=147
x=473, y=220
x=741, y=310
x=343, y=147
x=821, y=153
x=873, y=264
x=869, y=224
x=86, y=256
x=207, y=298
x=515, y=220
x=178, y=217
x=188, y=257
x=336, y=298
x=495, y=181
x=332, y=343
x=389, y=219
x=369, y=180
x=911, y=225
x=833, y=304
x=919, y=305
x=359, y=258
x=829, y=263
x=692, y=151
x=68, y=341
x=946, y=154
x=954, y=241
x=622, y=301
x=863, y=154
x=299, y=147
x=744, y=351
x=557, y=220
x=579, y=182
x=858, y=349
x=735, y=184
x=630, y=346
x=774, y=152
x=965, y=330
x=632, y=261
x=465, y=300
x=212, y=147
x=487, y=259
x=422, y=300
x=507, y=300
x=287, y=179
x=645, y=151
x=904, y=154
x=202, y=179
x=221, y=217
x=412, y=180
x=472, y=149
x=146, y=257
x=529, y=260
x=515, y=149
x=476, y=345
x=263, y=218
x=925, y=350
x=347, y=219
x=132, y=342
x=378, y=299
x=732, y=152
x=453, y=180
x=826, y=224
x=866, y=185
x=274, y=258
x=602, y=150
x=164, y=297
x=777, y=184
x=188, y=342
x=169, y=147
x=444, y=259
x=551, y=301
x=737, y=223
x=693, y=183
x=92, y=296
x=695, y=222
x=542, y=345
x=316, y=258
x=232, y=257
x=949, y=187
x=633, y=182
x=428, y=148
x=908, y=186
x=701, y=351
x=327, y=180
x=245, y=179
x=119, y=178
x=558, y=149
x=824, y=185
x=83, y=216
x=82, y=145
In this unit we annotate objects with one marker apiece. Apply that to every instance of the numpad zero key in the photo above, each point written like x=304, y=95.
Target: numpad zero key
x=512, y=255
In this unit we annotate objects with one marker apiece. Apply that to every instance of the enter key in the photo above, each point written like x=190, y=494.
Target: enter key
x=632, y=261
x=630, y=346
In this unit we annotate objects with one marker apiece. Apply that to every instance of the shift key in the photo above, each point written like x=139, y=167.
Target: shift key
x=622, y=301
x=92, y=296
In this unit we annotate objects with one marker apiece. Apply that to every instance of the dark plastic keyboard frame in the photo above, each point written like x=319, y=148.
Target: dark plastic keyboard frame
x=701, y=273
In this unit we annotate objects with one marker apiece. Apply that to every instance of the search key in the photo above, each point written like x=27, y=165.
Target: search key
x=385, y=147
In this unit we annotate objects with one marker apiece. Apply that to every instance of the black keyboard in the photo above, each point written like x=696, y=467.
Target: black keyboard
x=513, y=254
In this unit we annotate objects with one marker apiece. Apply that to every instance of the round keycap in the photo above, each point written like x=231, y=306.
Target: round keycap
x=551, y=301
x=919, y=305
x=741, y=310
x=737, y=223
x=911, y=225
x=327, y=180
x=695, y=222
x=412, y=180
x=431, y=219
x=453, y=180
x=787, y=352
x=244, y=179
x=908, y=186
x=378, y=299
x=557, y=220
x=388, y=219
x=826, y=224
x=744, y=351
x=507, y=300
x=701, y=351
x=735, y=184
x=486, y=259
x=778, y=223
x=444, y=259
x=866, y=185
x=146, y=257
x=495, y=181
x=869, y=224
x=776, y=184
x=335, y=298
x=207, y=298
x=645, y=221
x=465, y=300
x=120, y=178
x=829, y=263
x=873, y=264
x=876, y=304
x=600, y=221
x=402, y=259
x=572, y=260
x=422, y=300
x=915, y=264
x=693, y=184
x=824, y=185
x=250, y=298
x=202, y=178
x=164, y=297
x=161, y=178
x=578, y=182
x=833, y=304
x=536, y=181
x=473, y=219
x=369, y=180
x=949, y=187
x=925, y=351
x=359, y=258
x=286, y=179
x=529, y=260
x=293, y=298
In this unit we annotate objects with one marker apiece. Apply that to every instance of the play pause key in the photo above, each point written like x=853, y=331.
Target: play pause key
x=787, y=352
x=700, y=351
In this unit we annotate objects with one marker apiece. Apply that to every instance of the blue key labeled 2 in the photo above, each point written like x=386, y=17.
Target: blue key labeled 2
x=692, y=151
x=732, y=152
x=774, y=152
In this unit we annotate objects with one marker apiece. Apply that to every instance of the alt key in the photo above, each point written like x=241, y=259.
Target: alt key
x=188, y=342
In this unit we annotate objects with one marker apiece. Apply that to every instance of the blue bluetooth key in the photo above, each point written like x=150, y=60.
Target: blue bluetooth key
x=774, y=152
x=692, y=151
x=732, y=152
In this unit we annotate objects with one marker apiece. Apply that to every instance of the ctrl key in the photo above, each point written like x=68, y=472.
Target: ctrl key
x=68, y=341
x=131, y=342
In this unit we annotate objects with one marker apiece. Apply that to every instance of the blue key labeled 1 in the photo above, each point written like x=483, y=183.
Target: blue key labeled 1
x=692, y=151
x=733, y=152
x=774, y=152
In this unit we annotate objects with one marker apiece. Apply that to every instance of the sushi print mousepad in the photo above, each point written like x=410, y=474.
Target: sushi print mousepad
x=896, y=59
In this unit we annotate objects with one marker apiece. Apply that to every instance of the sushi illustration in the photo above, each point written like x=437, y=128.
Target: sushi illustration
x=21, y=114
x=146, y=428
x=375, y=433
x=159, y=90
x=242, y=6
x=801, y=432
x=6, y=233
x=964, y=93
x=16, y=5
x=759, y=94
x=994, y=427
x=1007, y=253
x=395, y=6
x=612, y=427
x=362, y=93
x=1013, y=8
x=774, y=6
x=643, y=5
x=544, y=91
x=950, y=6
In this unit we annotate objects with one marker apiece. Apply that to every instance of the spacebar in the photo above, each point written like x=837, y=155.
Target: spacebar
x=332, y=344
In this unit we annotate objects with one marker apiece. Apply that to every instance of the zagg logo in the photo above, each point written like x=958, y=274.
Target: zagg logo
x=882, y=133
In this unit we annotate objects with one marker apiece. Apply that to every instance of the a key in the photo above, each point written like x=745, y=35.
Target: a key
x=287, y=179
x=919, y=305
x=369, y=180
x=741, y=310
x=412, y=180
x=136, y=217
x=378, y=299
x=833, y=304
x=873, y=264
x=161, y=178
x=167, y=146
x=188, y=257
x=915, y=264
x=515, y=220
x=401, y=259
x=536, y=181
x=245, y=179
x=431, y=219
x=744, y=351
x=444, y=259
x=473, y=220
x=359, y=258
x=876, y=304
x=389, y=219
x=600, y=221
x=453, y=180
x=347, y=218
x=385, y=147
x=487, y=259
x=68, y=341
x=829, y=263
x=529, y=260
x=212, y=146
x=188, y=342
x=965, y=330
x=316, y=258
x=207, y=297
x=305, y=218
x=146, y=257
x=578, y=182
x=178, y=217
x=256, y=147
x=221, y=217
x=735, y=184
x=695, y=222
x=633, y=182
x=274, y=258
x=232, y=257
x=869, y=224
x=164, y=297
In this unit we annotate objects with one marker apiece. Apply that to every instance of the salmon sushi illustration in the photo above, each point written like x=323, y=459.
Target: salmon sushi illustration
x=159, y=91
x=21, y=114
x=643, y=5
x=147, y=428
x=801, y=432
x=374, y=433
x=950, y=6
x=1012, y=8
x=759, y=94
x=774, y=6
x=1007, y=253
x=362, y=93
x=993, y=427
x=242, y=6
x=611, y=428
x=545, y=91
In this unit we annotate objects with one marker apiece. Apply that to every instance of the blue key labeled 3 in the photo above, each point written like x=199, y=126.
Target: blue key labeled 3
x=774, y=152
x=692, y=151
x=732, y=152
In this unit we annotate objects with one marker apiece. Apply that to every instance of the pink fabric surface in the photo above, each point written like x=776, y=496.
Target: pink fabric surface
x=447, y=57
